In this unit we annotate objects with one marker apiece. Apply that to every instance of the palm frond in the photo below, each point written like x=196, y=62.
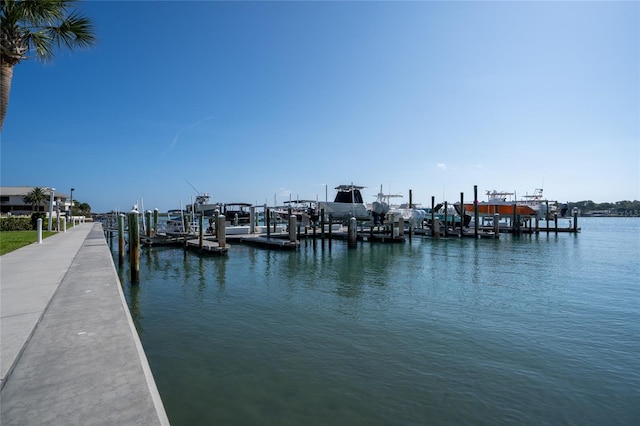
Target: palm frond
x=42, y=43
x=74, y=31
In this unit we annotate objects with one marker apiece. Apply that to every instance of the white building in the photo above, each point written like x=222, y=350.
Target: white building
x=12, y=201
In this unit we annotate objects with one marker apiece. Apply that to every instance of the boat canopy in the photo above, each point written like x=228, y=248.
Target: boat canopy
x=349, y=194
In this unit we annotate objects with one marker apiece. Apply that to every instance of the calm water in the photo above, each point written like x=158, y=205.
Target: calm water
x=531, y=330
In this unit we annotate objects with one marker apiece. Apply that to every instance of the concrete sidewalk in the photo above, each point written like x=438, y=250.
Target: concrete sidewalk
x=69, y=351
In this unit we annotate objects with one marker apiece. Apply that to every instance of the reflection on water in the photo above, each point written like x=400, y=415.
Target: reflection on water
x=532, y=329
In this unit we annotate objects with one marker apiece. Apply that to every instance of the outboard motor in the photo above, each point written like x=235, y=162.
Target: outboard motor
x=542, y=211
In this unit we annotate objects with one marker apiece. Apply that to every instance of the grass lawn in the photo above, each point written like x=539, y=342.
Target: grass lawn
x=13, y=240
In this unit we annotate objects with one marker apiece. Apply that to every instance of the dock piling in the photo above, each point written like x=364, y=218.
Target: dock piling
x=134, y=246
x=201, y=231
x=221, y=231
x=353, y=232
x=121, y=239
x=293, y=228
x=475, y=210
x=156, y=216
x=462, y=214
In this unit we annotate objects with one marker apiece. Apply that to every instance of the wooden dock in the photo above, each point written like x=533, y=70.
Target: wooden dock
x=272, y=242
x=208, y=247
x=164, y=240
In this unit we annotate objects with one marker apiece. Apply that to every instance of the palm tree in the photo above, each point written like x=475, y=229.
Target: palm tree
x=35, y=197
x=35, y=28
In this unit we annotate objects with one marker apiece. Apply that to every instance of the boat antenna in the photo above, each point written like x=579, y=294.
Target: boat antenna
x=194, y=188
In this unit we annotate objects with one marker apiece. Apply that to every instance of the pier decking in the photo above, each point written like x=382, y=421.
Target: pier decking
x=208, y=247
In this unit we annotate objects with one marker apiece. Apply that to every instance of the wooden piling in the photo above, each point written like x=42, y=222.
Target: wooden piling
x=156, y=220
x=353, y=232
x=201, y=231
x=134, y=246
x=267, y=218
x=252, y=220
x=411, y=224
x=446, y=224
x=120, y=239
x=575, y=219
x=475, y=211
x=462, y=214
x=293, y=228
x=330, y=226
x=433, y=214
x=148, y=226
x=221, y=231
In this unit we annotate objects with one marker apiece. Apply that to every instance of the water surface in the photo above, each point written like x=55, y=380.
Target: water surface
x=530, y=330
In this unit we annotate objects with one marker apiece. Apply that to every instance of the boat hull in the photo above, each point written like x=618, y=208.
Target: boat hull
x=501, y=209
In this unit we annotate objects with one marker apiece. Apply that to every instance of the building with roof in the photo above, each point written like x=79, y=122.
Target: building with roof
x=12, y=201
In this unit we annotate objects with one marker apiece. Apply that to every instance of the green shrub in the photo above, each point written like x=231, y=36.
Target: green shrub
x=35, y=217
x=16, y=224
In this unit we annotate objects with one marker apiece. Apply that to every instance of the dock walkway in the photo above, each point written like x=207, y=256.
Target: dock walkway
x=70, y=353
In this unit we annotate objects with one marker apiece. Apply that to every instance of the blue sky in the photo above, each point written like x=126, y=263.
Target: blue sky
x=251, y=101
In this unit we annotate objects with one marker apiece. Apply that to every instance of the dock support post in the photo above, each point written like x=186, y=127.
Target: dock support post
x=148, y=218
x=433, y=214
x=575, y=219
x=267, y=218
x=156, y=219
x=435, y=228
x=353, y=232
x=462, y=214
x=39, y=227
x=496, y=225
x=201, y=231
x=134, y=246
x=252, y=220
x=221, y=231
x=401, y=227
x=293, y=228
x=475, y=210
x=546, y=212
x=121, y=239
x=330, y=226
x=322, y=223
x=446, y=222
x=555, y=222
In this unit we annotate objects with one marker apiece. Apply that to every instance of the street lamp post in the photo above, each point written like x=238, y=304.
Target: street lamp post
x=51, y=195
x=71, y=207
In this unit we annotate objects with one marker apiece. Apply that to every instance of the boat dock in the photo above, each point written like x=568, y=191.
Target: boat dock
x=207, y=247
x=277, y=243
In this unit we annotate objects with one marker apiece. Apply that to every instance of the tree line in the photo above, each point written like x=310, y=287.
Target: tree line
x=618, y=208
x=38, y=197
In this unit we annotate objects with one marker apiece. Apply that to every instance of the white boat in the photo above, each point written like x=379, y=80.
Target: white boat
x=348, y=203
x=203, y=206
x=382, y=210
x=413, y=215
x=177, y=223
